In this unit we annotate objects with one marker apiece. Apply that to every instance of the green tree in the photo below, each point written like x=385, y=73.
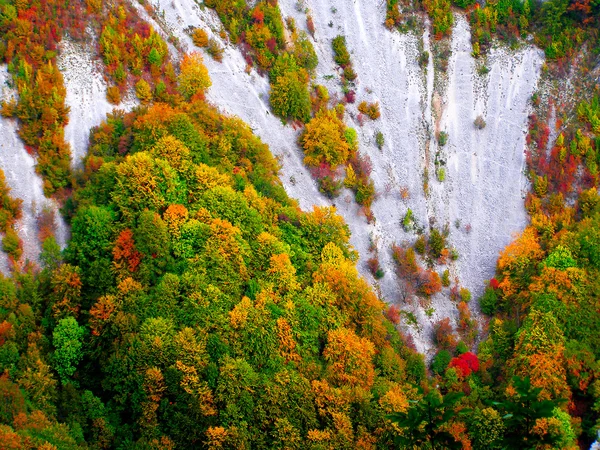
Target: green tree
x=423, y=424
x=67, y=339
x=522, y=411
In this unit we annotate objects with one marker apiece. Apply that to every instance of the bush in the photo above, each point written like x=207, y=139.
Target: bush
x=215, y=50
x=479, y=122
x=442, y=138
x=143, y=91
x=341, y=54
x=370, y=109
x=441, y=174
x=113, y=95
x=375, y=268
x=446, y=278
x=408, y=222
x=379, y=140
x=200, y=38
x=289, y=96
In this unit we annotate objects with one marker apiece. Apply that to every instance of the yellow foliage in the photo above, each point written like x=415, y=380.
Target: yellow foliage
x=208, y=177
x=216, y=438
x=283, y=273
x=143, y=91
x=192, y=384
x=173, y=151
x=394, y=400
x=238, y=316
x=194, y=78
x=200, y=38
x=324, y=141
x=350, y=358
x=287, y=343
x=175, y=216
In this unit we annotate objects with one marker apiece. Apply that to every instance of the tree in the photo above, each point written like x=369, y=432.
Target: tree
x=194, y=78
x=324, y=140
x=522, y=412
x=67, y=340
x=423, y=425
x=289, y=96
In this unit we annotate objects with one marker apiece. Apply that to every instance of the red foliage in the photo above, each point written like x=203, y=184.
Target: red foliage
x=494, y=283
x=322, y=170
x=258, y=16
x=125, y=250
x=465, y=364
x=443, y=334
x=393, y=314
x=350, y=97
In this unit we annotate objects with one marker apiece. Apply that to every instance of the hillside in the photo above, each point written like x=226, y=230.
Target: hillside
x=299, y=224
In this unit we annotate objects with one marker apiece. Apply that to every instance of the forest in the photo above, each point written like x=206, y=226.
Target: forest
x=196, y=305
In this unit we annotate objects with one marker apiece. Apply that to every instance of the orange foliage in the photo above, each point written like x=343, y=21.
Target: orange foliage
x=124, y=252
x=350, y=358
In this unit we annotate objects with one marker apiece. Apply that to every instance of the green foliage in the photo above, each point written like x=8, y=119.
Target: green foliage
x=523, y=411
x=289, y=96
x=486, y=429
x=379, y=140
x=440, y=361
x=341, y=54
x=423, y=424
x=488, y=302
x=67, y=339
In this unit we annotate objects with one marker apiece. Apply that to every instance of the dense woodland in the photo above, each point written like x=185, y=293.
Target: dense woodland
x=196, y=305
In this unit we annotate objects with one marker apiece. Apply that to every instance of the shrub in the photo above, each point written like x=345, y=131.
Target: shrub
x=441, y=174
x=379, y=139
x=420, y=245
x=423, y=59
x=465, y=295
x=479, y=122
x=341, y=54
x=289, y=95
x=194, y=78
x=143, y=91
x=442, y=138
x=370, y=109
x=436, y=243
x=443, y=335
x=365, y=192
x=446, y=278
x=408, y=222
x=349, y=73
x=113, y=95
x=215, y=50
x=466, y=364
x=310, y=25
x=200, y=38
x=375, y=268
x=305, y=53
x=12, y=245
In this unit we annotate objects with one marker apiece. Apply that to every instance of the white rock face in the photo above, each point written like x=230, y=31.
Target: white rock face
x=485, y=181
x=25, y=183
x=86, y=95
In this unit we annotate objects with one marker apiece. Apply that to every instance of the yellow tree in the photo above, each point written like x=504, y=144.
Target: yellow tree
x=194, y=78
x=324, y=140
